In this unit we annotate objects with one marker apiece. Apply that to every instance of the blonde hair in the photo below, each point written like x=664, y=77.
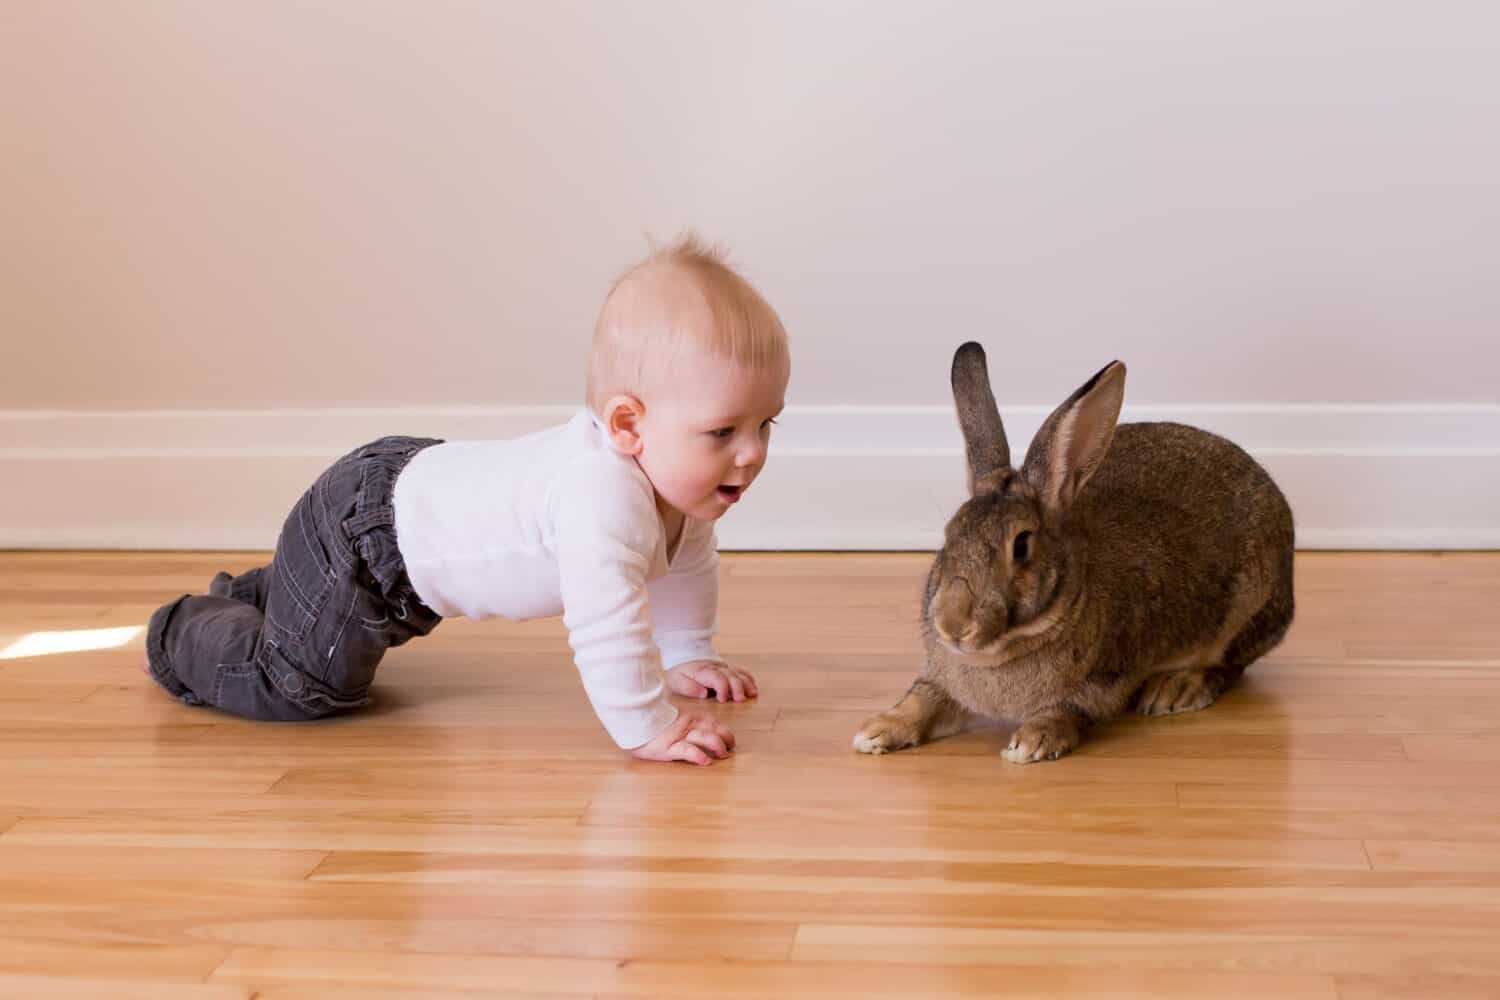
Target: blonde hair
x=684, y=292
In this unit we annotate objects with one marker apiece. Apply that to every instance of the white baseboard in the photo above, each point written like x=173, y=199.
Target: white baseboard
x=1358, y=476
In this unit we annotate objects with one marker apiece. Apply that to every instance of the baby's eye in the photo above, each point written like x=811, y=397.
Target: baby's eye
x=723, y=432
x=768, y=422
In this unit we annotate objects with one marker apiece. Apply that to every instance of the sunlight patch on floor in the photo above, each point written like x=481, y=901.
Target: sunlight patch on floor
x=73, y=641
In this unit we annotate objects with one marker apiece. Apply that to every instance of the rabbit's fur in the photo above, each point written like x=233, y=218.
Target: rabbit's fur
x=1156, y=564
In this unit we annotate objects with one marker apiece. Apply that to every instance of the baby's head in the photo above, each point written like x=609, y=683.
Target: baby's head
x=688, y=369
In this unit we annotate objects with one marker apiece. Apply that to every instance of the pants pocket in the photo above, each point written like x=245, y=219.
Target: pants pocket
x=251, y=692
x=310, y=692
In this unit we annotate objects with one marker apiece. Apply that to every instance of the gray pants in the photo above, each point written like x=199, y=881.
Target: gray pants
x=301, y=637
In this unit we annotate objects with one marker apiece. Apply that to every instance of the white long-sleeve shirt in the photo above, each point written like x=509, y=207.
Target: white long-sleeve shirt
x=558, y=522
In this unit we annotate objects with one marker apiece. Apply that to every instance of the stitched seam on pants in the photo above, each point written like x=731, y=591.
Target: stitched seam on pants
x=343, y=624
x=334, y=528
x=308, y=606
x=223, y=670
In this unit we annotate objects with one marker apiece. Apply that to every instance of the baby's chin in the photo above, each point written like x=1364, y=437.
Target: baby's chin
x=710, y=510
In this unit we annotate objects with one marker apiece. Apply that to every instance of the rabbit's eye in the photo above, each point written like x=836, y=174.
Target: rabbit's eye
x=1021, y=547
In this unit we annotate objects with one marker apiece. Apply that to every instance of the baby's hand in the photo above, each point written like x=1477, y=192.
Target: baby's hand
x=710, y=679
x=695, y=737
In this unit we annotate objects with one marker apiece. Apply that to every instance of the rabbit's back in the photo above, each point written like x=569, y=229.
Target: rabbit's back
x=1213, y=486
x=1182, y=528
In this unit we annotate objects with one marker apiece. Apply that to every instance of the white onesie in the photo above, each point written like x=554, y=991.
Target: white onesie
x=558, y=522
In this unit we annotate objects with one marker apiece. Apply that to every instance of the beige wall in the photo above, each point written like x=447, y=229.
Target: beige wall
x=237, y=238
x=260, y=205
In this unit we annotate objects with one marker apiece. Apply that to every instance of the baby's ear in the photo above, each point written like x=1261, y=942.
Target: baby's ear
x=622, y=422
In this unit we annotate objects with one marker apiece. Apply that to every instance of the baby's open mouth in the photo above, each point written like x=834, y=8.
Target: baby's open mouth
x=731, y=493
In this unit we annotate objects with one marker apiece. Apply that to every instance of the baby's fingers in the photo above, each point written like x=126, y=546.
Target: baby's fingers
x=710, y=741
x=686, y=750
x=737, y=686
x=726, y=683
x=741, y=685
x=683, y=683
x=715, y=682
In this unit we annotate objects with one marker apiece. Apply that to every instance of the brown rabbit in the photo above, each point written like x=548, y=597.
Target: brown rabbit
x=1147, y=564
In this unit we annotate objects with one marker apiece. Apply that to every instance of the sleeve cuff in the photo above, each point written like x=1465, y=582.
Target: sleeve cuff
x=675, y=650
x=635, y=729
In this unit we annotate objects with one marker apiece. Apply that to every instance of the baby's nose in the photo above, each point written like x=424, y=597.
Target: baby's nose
x=750, y=455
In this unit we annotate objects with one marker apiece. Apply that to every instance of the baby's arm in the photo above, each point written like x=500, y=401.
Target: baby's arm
x=684, y=615
x=605, y=538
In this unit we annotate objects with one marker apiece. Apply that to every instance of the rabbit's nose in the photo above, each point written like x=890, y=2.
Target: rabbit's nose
x=952, y=610
x=957, y=631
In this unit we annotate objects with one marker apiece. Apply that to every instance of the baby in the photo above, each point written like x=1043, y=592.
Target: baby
x=597, y=520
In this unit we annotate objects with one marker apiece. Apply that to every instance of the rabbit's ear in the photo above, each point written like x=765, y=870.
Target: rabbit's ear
x=1073, y=442
x=978, y=417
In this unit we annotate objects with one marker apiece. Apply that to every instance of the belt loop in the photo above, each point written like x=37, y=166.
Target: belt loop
x=360, y=523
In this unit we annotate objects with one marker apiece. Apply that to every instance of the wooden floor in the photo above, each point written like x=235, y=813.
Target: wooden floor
x=1330, y=829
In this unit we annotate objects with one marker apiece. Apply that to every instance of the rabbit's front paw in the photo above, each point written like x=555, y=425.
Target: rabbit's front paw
x=886, y=732
x=1041, y=739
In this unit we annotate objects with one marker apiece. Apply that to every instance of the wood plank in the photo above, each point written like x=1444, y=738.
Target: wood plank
x=63, y=987
x=26, y=778
x=189, y=910
x=1436, y=855
x=718, y=979
x=1482, y=799
x=98, y=960
x=1483, y=747
x=1415, y=987
x=51, y=858
x=1185, y=950
x=590, y=840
